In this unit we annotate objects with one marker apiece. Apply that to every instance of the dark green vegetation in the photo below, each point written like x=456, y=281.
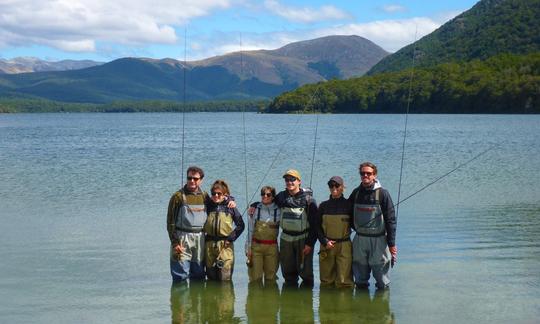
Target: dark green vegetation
x=486, y=60
x=42, y=106
x=502, y=84
x=489, y=28
x=250, y=75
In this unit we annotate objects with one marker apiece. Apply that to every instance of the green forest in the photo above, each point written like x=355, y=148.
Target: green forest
x=504, y=83
x=43, y=106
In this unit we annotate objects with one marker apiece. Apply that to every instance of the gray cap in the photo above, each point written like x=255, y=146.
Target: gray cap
x=336, y=179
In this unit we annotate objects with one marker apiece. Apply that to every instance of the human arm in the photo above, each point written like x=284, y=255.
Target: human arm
x=172, y=212
x=320, y=233
x=313, y=224
x=239, y=222
x=390, y=222
x=251, y=226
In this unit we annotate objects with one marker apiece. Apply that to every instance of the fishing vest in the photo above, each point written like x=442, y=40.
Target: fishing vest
x=368, y=218
x=265, y=232
x=191, y=214
x=336, y=227
x=219, y=224
x=294, y=220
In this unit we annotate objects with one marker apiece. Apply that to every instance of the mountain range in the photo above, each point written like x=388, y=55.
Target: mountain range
x=240, y=75
x=34, y=64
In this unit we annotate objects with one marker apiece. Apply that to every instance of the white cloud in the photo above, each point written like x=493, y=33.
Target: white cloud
x=305, y=14
x=391, y=8
x=77, y=25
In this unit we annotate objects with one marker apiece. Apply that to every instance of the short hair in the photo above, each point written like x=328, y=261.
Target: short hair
x=195, y=169
x=368, y=164
x=268, y=188
x=222, y=185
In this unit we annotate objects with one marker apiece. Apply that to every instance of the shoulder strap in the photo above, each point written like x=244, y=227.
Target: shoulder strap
x=275, y=214
x=258, y=212
x=377, y=195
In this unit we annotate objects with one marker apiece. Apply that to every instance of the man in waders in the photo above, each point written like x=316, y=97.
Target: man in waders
x=374, y=245
x=335, y=218
x=299, y=230
x=186, y=216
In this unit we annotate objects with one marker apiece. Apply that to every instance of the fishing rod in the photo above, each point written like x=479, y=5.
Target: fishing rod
x=244, y=122
x=184, y=108
x=406, y=122
x=444, y=176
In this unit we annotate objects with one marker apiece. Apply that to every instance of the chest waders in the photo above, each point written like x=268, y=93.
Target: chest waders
x=264, y=249
x=295, y=227
x=370, y=249
x=335, y=263
x=219, y=259
x=189, y=222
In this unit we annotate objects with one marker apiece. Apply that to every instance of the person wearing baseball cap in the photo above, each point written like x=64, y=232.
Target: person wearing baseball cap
x=335, y=219
x=299, y=230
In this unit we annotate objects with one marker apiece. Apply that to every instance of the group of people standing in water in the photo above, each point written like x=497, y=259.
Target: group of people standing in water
x=202, y=228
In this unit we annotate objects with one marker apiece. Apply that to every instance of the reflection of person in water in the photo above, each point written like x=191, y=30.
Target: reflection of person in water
x=262, y=304
x=336, y=306
x=186, y=302
x=200, y=302
x=296, y=305
x=374, y=309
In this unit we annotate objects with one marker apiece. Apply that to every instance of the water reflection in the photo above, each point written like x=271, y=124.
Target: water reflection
x=262, y=304
x=296, y=304
x=203, y=302
x=348, y=306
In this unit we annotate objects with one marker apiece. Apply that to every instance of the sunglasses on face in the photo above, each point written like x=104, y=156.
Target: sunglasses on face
x=366, y=173
x=216, y=193
x=334, y=185
x=193, y=178
x=266, y=194
x=290, y=179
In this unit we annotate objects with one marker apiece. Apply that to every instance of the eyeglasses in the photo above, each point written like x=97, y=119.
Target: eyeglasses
x=290, y=179
x=193, y=178
x=366, y=173
x=215, y=193
x=266, y=194
x=334, y=185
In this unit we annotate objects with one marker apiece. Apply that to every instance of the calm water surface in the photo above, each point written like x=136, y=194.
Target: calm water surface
x=83, y=202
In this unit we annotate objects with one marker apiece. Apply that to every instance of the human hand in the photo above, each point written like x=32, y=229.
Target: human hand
x=393, y=251
x=231, y=204
x=307, y=249
x=330, y=244
x=179, y=249
x=251, y=211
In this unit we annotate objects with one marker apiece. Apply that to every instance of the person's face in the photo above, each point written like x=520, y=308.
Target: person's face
x=217, y=195
x=267, y=197
x=292, y=184
x=367, y=176
x=336, y=190
x=194, y=180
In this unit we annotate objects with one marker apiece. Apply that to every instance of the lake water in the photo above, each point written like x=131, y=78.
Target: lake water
x=83, y=201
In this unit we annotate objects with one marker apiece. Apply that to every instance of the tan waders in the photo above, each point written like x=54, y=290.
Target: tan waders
x=264, y=251
x=218, y=258
x=335, y=263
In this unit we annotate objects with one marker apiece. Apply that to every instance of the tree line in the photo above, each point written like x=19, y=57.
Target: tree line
x=505, y=83
x=18, y=105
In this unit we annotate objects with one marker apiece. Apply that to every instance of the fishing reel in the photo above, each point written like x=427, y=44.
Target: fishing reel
x=219, y=264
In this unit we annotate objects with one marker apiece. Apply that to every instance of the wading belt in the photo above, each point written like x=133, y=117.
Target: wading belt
x=266, y=242
x=190, y=230
x=294, y=233
x=345, y=239
x=371, y=235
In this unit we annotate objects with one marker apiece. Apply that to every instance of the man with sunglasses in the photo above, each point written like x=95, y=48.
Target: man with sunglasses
x=299, y=230
x=335, y=218
x=374, y=221
x=186, y=216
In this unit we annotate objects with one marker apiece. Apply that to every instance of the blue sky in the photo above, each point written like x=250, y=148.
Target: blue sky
x=104, y=30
